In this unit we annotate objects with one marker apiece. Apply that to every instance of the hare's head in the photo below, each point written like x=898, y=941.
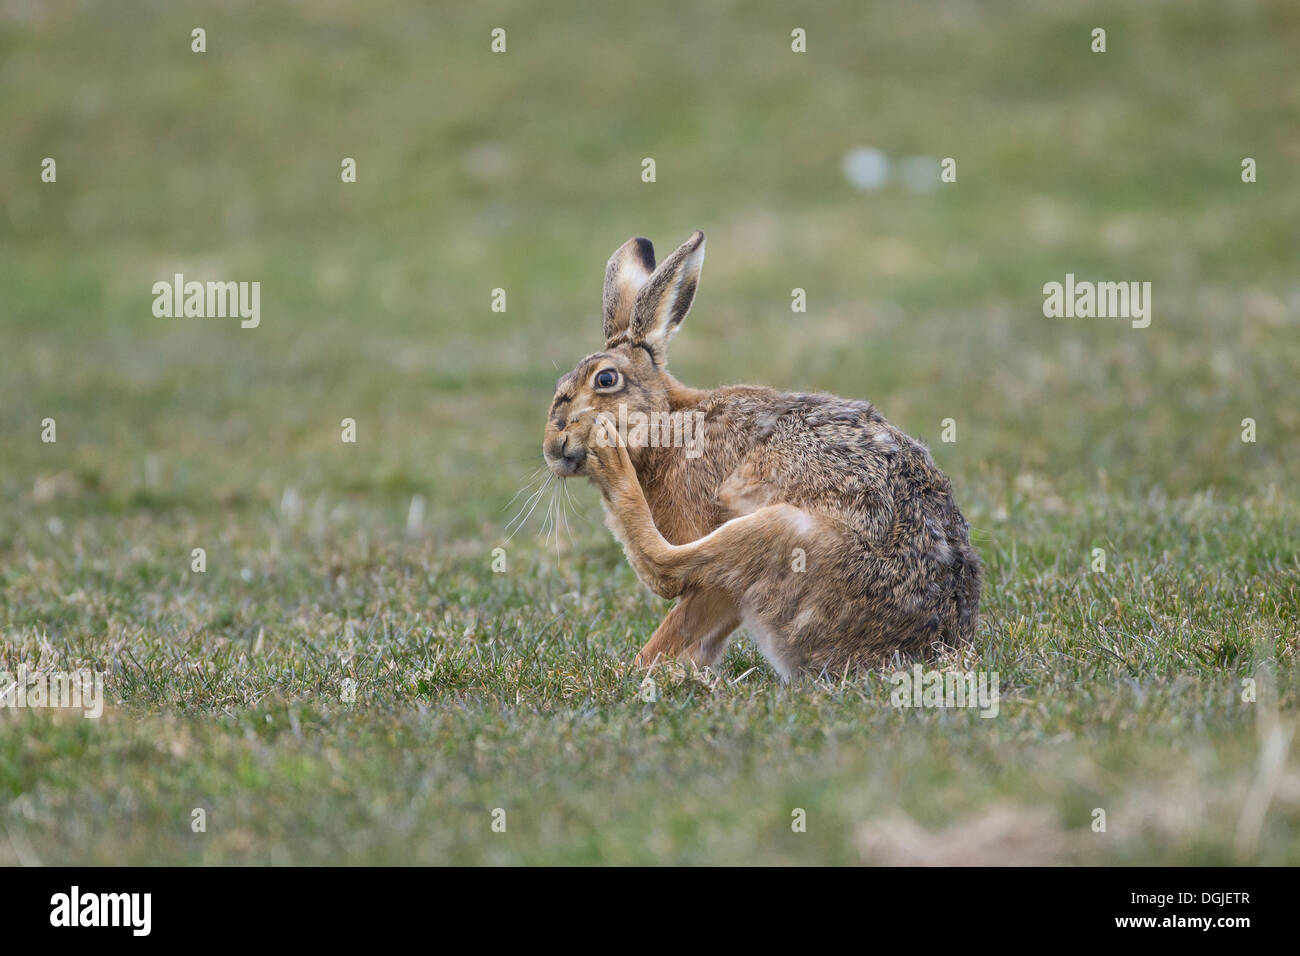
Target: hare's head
x=643, y=307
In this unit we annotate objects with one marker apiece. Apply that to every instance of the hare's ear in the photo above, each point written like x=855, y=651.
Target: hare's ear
x=628, y=268
x=666, y=297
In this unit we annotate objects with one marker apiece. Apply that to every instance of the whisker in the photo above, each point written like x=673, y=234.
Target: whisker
x=565, y=506
x=572, y=507
x=523, y=507
x=546, y=522
x=531, y=505
x=555, y=527
x=561, y=510
x=528, y=482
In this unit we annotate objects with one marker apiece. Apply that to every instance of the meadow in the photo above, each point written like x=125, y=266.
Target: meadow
x=350, y=681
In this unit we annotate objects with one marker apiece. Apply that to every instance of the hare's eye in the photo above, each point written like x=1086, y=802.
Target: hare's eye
x=606, y=378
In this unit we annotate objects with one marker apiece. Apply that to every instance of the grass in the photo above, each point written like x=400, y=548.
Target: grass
x=474, y=690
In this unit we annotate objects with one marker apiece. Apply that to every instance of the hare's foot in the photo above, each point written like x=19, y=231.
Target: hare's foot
x=626, y=511
x=609, y=464
x=697, y=628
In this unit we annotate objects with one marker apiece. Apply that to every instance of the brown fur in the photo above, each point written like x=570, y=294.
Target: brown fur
x=887, y=561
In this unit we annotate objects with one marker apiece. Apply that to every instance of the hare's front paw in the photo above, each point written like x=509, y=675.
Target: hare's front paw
x=607, y=459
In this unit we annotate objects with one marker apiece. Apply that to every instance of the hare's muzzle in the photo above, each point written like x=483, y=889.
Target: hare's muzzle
x=564, y=455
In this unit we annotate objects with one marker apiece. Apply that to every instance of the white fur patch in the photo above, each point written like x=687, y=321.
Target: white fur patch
x=803, y=619
x=886, y=439
x=801, y=521
x=769, y=644
x=632, y=273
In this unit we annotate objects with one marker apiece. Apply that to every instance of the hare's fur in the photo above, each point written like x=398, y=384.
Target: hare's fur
x=823, y=528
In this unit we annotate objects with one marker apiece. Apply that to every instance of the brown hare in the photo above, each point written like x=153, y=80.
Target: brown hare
x=821, y=527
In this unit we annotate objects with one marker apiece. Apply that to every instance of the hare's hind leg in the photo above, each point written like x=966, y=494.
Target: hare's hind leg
x=696, y=628
x=736, y=556
x=745, y=552
x=746, y=560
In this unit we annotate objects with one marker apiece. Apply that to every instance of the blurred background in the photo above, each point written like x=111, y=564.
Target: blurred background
x=522, y=171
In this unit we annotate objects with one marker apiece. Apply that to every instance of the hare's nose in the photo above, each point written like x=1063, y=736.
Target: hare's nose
x=565, y=459
x=571, y=455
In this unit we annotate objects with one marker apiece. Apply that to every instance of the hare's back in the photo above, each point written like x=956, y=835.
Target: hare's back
x=841, y=458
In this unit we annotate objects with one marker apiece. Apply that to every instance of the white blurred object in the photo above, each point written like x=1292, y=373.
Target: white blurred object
x=415, y=515
x=291, y=504
x=866, y=168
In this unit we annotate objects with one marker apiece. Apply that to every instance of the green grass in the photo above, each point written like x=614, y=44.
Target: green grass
x=1121, y=690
